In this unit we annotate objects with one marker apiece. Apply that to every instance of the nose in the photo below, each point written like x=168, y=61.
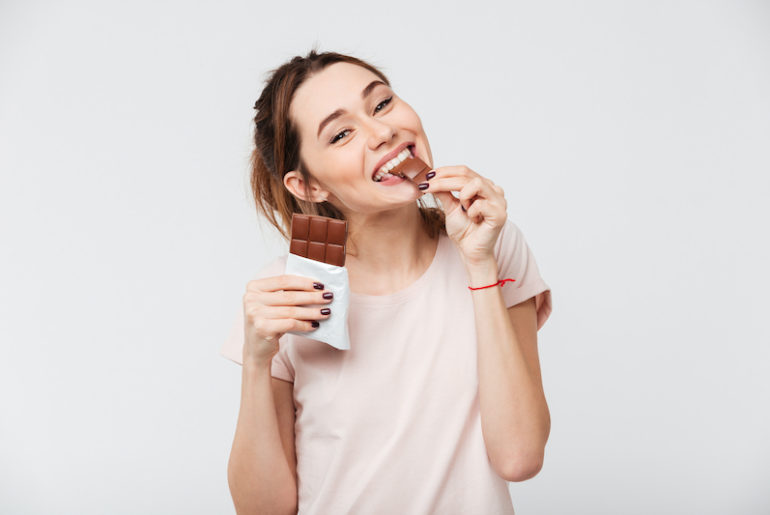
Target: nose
x=379, y=132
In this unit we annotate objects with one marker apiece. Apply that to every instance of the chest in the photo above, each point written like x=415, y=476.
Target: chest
x=402, y=358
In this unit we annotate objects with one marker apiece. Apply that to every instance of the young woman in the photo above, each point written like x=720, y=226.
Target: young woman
x=439, y=400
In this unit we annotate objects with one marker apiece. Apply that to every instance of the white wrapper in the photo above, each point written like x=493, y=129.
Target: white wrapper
x=334, y=329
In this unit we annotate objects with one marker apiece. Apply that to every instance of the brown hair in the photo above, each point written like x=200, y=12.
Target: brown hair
x=276, y=147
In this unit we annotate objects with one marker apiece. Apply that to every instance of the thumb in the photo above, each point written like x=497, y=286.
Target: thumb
x=448, y=201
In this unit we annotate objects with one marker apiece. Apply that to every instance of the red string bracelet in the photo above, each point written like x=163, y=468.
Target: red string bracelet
x=500, y=282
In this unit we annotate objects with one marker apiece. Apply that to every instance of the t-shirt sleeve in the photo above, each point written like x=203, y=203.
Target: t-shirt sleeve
x=515, y=260
x=232, y=348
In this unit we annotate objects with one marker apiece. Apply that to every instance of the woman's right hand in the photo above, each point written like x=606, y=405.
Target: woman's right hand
x=272, y=306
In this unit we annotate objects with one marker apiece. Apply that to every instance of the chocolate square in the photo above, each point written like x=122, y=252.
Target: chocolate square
x=413, y=169
x=319, y=238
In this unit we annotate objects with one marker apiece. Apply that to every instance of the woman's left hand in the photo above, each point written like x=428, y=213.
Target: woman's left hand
x=475, y=219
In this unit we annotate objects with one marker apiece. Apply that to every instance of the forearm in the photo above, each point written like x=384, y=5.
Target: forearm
x=514, y=414
x=258, y=471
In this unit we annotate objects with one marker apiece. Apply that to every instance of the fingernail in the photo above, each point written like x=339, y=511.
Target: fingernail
x=315, y=323
x=423, y=186
x=463, y=207
x=326, y=311
x=328, y=295
x=430, y=175
x=318, y=286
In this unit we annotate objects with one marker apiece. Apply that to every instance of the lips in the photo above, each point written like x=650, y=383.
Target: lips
x=390, y=155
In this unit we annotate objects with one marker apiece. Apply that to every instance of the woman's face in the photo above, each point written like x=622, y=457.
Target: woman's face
x=348, y=121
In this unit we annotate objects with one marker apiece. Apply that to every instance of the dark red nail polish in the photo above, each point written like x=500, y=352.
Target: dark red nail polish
x=328, y=295
x=315, y=323
x=463, y=208
x=423, y=186
x=430, y=175
x=326, y=311
x=318, y=286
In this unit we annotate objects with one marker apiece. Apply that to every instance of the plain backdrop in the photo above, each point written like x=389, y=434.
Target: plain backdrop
x=633, y=143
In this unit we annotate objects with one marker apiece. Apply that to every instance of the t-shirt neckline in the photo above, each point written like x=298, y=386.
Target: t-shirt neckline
x=405, y=293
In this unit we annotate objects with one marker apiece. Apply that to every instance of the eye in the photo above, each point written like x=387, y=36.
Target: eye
x=377, y=109
x=335, y=138
x=385, y=102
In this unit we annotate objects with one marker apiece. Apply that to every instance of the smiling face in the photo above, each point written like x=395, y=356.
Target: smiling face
x=348, y=122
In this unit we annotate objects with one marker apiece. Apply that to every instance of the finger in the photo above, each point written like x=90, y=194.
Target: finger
x=446, y=183
x=477, y=210
x=486, y=210
x=295, y=312
x=284, y=282
x=438, y=187
x=474, y=188
x=448, y=201
x=284, y=325
x=454, y=171
x=289, y=297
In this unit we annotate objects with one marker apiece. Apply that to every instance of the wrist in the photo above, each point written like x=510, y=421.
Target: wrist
x=482, y=273
x=254, y=365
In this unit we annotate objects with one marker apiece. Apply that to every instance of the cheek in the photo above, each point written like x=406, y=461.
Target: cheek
x=408, y=115
x=344, y=165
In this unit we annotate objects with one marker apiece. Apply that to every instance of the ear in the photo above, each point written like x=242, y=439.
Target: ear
x=296, y=186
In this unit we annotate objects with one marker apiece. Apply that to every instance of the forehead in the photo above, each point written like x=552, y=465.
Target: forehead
x=339, y=85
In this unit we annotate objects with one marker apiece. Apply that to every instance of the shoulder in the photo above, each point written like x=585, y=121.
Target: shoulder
x=509, y=239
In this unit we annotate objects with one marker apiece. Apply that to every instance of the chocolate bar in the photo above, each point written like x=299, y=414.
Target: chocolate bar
x=319, y=238
x=317, y=251
x=412, y=168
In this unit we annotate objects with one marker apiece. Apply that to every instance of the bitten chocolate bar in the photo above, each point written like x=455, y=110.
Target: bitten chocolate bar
x=412, y=168
x=319, y=238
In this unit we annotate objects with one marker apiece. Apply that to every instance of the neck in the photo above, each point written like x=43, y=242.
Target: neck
x=390, y=249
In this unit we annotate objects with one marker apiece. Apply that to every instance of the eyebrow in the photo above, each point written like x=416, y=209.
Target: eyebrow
x=339, y=112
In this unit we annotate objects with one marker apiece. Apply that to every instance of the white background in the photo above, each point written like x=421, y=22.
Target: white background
x=633, y=143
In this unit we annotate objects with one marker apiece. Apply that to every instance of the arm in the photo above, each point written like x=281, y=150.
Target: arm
x=515, y=420
x=262, y=467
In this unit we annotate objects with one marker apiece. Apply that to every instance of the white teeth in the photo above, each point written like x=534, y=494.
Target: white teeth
x=393, y=162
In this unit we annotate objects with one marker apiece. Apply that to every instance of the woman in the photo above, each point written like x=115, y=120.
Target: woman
x=439, y=400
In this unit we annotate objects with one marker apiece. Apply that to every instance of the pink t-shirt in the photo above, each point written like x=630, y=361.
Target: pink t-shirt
x=392, y=425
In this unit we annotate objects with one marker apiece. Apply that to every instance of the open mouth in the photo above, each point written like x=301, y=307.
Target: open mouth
x=385, y=170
